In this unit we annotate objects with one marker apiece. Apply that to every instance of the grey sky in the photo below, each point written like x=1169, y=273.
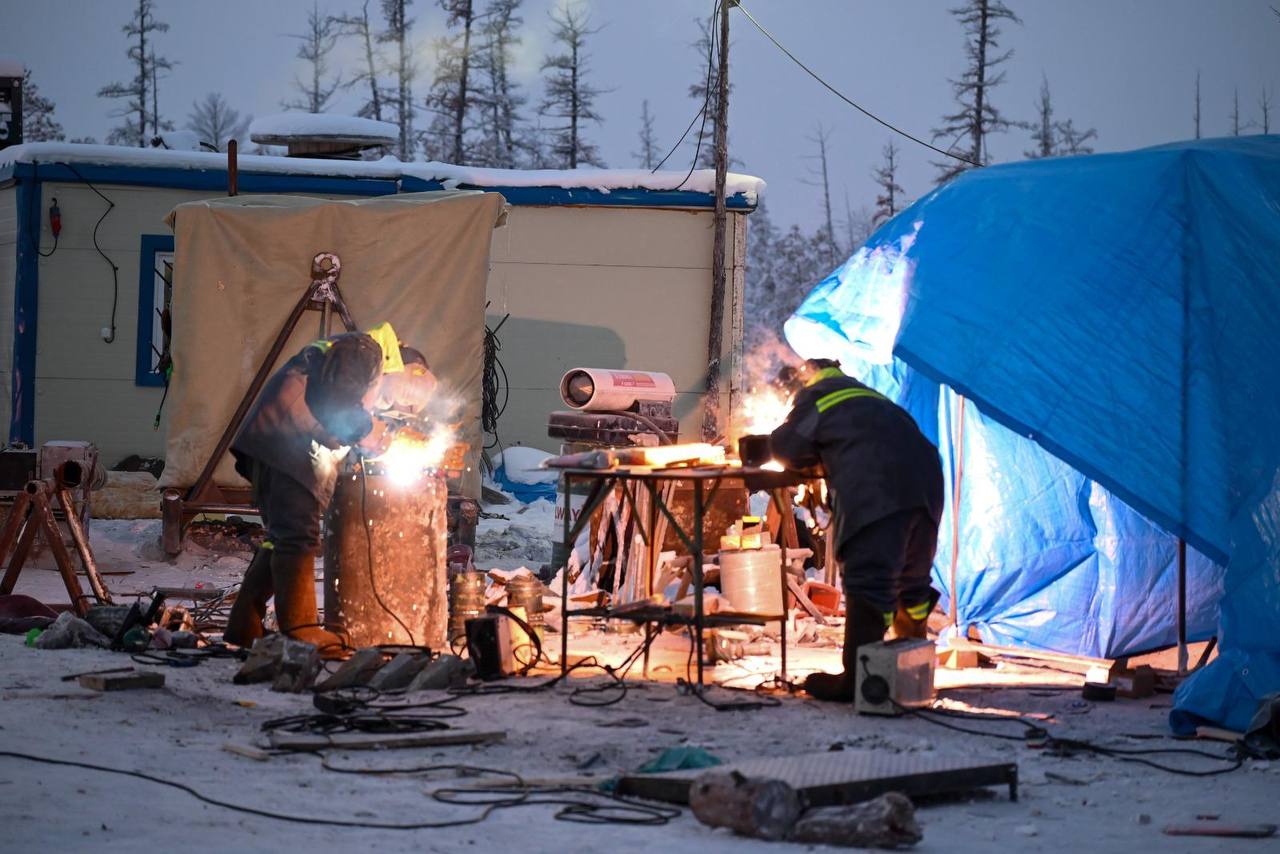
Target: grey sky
x=1126, y=67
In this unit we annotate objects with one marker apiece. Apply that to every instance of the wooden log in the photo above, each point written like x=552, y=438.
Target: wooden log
x=888, y=821
x=764, y=809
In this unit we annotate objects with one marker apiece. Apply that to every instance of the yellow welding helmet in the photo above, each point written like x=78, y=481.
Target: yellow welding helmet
x=390, y=344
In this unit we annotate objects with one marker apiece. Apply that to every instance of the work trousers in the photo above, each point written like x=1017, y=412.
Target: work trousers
x=888, y=562
x=290, y=511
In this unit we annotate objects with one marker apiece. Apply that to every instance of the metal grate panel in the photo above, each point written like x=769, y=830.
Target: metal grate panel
x=841, y=777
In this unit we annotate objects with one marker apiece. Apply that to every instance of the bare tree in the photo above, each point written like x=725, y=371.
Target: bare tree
x=404, y=71
x=216, y=123
x=359, y=28
x=977, y=117
x=498, y=95
x=647, y=156
x=452, y=97
x=1043, y=135
x=1264, y=106
x=703, y=90
x=1072, y=141
x=1196, y=114
x=314, y=47
x=1052, y=138
x=38, y=123
x=569, y=97
x=1235, y=112
x=822, y=179
x=141, y=102
x=886, y=178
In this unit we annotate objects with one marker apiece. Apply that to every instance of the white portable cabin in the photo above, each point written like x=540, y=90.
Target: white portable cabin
x=602, y=268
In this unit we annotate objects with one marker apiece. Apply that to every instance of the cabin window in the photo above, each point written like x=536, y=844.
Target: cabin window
x=155, y=295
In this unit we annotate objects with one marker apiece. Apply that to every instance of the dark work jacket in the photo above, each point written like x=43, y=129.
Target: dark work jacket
x=281, y=426
x=877, y=461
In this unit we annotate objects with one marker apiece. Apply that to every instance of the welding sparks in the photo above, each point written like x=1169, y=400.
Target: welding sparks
x=413, y=455
x=763, y=410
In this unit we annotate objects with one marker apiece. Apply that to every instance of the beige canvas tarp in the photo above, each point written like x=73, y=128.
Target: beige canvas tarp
x=418, y=260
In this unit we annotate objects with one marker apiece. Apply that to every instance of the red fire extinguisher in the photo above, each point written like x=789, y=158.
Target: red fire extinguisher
x=55, y=218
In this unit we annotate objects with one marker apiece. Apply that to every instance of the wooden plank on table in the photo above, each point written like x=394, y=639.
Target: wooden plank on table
x=122, y=681
x=376, y=741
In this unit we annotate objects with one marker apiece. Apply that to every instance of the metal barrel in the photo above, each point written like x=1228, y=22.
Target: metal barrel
x=466, y=601
x=385, y=567
x=525, y=591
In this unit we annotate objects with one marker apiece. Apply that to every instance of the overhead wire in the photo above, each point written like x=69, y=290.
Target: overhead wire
x=834, y=91
x=713, y=38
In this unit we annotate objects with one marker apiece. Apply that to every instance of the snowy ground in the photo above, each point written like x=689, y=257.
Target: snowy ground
x=180, y=731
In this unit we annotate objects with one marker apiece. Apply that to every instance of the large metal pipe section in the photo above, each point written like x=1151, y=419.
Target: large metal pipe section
x=385, y=569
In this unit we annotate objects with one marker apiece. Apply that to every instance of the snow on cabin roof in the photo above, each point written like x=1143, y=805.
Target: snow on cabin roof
x=11, y=68
x=283, y=128
x=387, y=169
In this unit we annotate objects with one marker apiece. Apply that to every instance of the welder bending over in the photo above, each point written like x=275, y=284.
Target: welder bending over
x=885, y=488
x=319, y=405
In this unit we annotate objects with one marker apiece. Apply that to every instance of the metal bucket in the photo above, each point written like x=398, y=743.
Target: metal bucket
x=751, y=579
x=525, y=591
x=466, y=602
x=384, y=560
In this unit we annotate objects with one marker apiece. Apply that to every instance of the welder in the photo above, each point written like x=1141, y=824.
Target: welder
x=885, y=488
x=327, y=400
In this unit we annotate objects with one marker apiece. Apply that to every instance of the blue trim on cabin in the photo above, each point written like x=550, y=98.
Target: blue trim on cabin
x=205, y=179
x=22, y=378
x=151, y=244
x=561, y=196
x=258, y=182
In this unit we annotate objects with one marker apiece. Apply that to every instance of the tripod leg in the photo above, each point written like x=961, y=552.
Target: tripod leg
x=81, y=542
x=43, y=515
x=12, y=527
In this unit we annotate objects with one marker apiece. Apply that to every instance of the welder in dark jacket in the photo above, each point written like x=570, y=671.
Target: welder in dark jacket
x=310, y=412
x=884, y=485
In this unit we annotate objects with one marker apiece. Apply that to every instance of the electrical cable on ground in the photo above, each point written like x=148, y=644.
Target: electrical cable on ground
x=590, y=806
x=115, y=270
x=834, y=91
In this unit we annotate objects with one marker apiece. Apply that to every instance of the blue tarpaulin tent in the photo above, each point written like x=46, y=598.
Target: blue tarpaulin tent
x=1095, y=343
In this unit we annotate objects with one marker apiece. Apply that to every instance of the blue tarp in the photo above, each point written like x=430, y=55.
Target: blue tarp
x=1113, y=322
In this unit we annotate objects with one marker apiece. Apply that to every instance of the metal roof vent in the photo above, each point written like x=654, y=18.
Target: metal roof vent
x=323, y=135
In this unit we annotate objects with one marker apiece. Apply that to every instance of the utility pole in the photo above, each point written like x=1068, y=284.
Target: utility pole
x=715, y=337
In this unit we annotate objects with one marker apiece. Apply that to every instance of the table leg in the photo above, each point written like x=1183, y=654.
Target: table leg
x=697, y=572
x=564, y=577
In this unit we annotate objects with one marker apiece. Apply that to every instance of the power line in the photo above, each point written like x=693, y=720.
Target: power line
x=844, y=97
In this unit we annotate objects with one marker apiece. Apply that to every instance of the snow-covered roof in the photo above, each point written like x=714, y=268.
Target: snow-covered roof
x=11, y=68
x=283, y=128
x=388, y=168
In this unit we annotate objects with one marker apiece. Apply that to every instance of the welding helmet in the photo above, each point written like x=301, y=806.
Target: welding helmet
x=409, y=390
x=338, y=383
x=792, y=378
x=386, y=338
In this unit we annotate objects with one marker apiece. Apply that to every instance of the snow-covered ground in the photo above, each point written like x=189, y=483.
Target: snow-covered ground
x=180, y=732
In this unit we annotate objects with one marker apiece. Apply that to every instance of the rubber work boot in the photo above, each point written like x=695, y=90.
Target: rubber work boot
x=294, y=577
x=244, y=626
x=913, y=621
x=864, y=624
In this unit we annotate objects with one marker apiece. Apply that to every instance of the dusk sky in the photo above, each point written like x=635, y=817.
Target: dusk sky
x=1125, y=67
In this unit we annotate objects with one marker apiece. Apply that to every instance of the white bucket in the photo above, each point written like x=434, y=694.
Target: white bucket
x=751, y=579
